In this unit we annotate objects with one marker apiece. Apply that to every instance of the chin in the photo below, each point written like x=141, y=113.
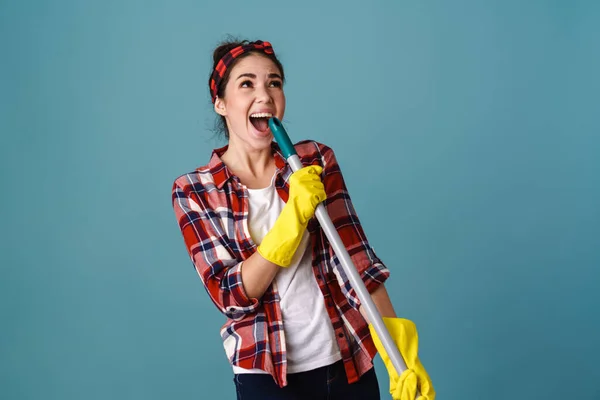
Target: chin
x=263, y=143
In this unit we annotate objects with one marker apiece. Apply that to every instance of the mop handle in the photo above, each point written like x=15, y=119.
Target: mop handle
x=375, y=319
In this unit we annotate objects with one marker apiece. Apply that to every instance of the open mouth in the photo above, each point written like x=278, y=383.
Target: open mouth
x=260, y=121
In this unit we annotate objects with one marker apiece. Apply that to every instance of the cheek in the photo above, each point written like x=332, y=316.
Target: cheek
x=238, y=110
x=282, y=106
x=281, y=101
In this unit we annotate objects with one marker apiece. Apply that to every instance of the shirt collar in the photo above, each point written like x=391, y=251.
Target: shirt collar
x=221, y=173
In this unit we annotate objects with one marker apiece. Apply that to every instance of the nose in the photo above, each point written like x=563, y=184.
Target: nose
x=262, y=94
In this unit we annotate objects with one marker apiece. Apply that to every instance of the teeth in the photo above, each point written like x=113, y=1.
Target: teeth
x=261, y=115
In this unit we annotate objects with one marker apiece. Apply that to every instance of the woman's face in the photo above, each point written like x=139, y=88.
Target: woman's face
x=253, y=94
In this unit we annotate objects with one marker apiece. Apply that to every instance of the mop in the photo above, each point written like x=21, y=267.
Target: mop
x=397, y=360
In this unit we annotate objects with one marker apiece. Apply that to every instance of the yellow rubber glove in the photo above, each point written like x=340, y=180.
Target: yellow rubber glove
x=306, y=192
x=404, y=387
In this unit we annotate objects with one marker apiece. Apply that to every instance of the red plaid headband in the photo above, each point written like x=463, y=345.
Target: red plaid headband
x=228, y=58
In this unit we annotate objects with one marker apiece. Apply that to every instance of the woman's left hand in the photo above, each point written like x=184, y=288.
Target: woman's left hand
x=415, y=379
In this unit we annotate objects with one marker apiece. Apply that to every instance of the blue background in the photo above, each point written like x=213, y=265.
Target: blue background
x=466, y=131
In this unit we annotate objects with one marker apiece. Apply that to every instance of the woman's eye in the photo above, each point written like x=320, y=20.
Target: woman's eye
x=276, y=84
x=246, y=84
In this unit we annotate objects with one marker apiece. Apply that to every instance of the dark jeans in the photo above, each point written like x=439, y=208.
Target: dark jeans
x=325, y=383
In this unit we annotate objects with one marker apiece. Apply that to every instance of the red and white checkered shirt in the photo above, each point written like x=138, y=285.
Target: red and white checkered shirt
x=211, y=206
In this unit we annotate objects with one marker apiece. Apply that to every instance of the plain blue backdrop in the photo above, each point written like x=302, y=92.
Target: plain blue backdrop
x=467, y=132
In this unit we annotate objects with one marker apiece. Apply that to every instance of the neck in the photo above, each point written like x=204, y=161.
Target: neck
x=247, y=162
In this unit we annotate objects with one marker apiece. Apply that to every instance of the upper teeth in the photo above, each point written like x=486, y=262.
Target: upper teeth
x=261, y=115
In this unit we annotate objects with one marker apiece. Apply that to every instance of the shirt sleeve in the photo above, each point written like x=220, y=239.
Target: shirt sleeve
x=211, y=253
x=343, y=216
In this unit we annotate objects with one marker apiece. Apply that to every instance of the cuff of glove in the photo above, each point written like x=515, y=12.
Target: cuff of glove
x=283, y=260
x=281, y=243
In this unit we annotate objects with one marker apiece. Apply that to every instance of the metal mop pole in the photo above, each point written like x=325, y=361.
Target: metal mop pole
x=375, y=319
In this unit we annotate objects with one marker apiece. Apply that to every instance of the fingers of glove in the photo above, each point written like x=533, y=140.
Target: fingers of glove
x=312, y=172
x=310, y=205
x=310, y=200
x=307, y=185
x=424, y=380
x=312, y=192
x=409, y=385
x=404, y=387
x=318, y=192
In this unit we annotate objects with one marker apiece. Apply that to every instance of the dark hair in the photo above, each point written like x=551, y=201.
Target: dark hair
x=222, y=49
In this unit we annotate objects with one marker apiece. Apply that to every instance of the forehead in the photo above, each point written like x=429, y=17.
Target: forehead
x=256, y=64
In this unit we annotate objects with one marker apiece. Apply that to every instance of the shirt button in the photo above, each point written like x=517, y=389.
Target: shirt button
x=340, y=335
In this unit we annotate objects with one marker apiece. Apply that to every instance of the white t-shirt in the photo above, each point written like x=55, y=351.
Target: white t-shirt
x=309, y=337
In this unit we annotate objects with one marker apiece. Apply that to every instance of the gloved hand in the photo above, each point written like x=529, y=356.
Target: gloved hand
x=404, y=387
x=306, y=192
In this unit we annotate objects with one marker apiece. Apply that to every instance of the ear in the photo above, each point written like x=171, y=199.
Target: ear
x=220, y=106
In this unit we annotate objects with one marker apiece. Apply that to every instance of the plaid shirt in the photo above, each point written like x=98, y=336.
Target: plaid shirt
x=211, y=206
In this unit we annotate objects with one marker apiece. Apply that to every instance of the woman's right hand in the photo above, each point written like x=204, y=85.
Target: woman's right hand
x=306, y=192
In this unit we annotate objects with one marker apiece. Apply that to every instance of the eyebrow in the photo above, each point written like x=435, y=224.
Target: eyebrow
x=253, y=76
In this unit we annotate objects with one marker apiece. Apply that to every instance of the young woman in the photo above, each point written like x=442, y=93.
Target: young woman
x=294, y=325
